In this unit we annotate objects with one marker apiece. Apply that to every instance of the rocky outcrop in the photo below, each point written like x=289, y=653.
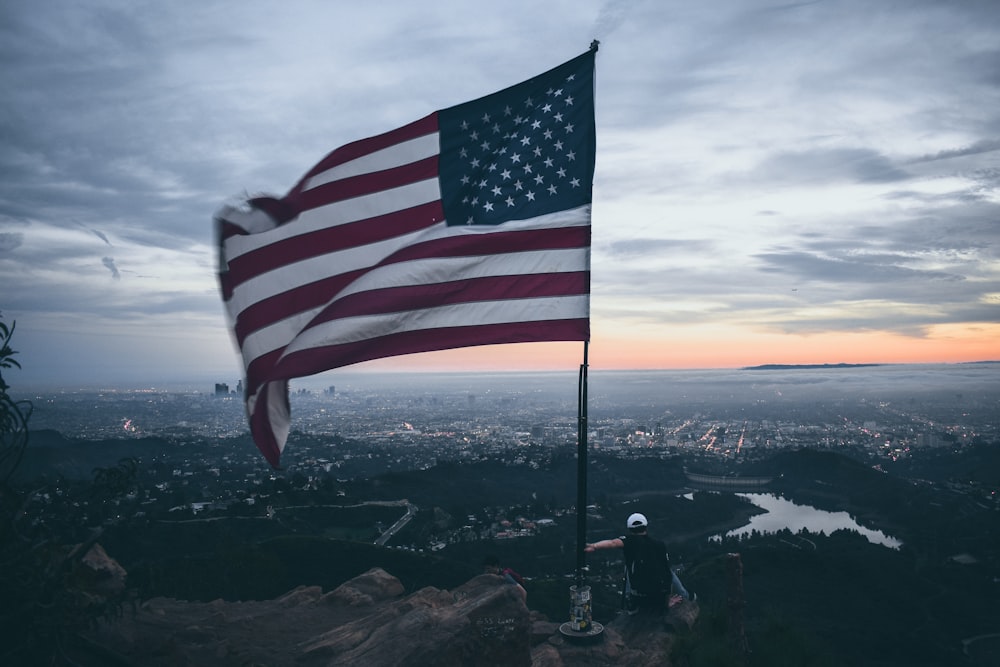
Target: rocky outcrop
x=370, y=621
x=636, y=641
x=481, y=622
x=101, y=574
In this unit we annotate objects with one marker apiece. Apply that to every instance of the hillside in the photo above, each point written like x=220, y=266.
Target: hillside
x=804, y=593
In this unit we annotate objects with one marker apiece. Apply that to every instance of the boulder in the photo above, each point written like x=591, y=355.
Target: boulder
x=102, y=574
x=375, y=585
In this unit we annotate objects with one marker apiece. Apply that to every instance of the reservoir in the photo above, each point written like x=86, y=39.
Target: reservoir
x=782, y=513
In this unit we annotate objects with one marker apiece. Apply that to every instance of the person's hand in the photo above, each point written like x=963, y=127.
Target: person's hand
x=589, y=548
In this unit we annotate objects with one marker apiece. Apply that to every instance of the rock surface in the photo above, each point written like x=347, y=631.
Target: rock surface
x=370, y=621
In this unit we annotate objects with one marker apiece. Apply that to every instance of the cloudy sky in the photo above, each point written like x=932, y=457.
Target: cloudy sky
x=776, y=182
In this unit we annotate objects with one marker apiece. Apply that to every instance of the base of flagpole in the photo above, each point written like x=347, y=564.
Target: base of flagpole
x=580, y=628
x=591, y=635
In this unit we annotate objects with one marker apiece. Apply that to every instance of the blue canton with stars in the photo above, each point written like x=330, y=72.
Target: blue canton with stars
x=522, y=152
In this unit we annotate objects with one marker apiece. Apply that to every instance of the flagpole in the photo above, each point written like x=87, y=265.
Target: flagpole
x=581, y=626
x=581, y=469
x=581, y=455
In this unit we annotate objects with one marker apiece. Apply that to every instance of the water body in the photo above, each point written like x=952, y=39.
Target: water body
x=782, y=513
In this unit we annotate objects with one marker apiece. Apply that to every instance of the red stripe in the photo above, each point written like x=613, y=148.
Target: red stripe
x=225, y=285
x=279, y=210
x=280, y=306
x=260, y=429
x=260, y=370
x=333, y=239
x=495, y=243
x=426, y=125
x=365, y=184
x=306, y=362
x=312, y=295
x=492, y=288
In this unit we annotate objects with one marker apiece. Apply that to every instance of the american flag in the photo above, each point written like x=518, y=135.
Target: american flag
x=470, y=226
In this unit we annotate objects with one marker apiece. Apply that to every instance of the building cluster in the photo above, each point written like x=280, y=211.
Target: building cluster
x=197, y=447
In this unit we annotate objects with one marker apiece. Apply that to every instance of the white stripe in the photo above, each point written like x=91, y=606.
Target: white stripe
x=353, y=329
x=415, y=272
x=250, y=220
x=369, y=206
x=433, y=270
x=278, y=416
x=294, y=275
x=387, y=158
x=275, y=336
x=340, y=213
x=308, y=271
x=423, y=272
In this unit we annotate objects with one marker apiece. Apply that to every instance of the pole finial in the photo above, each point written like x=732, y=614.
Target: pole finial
x=594, y=45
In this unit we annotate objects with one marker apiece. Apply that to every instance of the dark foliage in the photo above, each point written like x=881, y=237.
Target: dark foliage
x=261, y=571
x=49, y=598
x=14, y=415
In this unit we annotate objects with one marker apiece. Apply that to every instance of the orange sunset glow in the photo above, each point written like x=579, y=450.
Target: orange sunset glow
x=718, y=346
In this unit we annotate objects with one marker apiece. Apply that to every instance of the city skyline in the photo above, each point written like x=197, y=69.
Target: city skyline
x=803, y=183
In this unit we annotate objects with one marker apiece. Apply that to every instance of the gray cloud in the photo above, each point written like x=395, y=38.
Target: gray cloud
x=867, y=269
x=902, y=275
x=10, y=241
x=609, y=17
x=967, y=196
x=654, y=248
x=930, y=269
x=981, y=146
x=110, y=263
x=853, y=165
x=101, y=236
x=902, y=322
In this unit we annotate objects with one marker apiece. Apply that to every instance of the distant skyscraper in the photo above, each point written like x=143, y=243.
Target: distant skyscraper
x=221, y=389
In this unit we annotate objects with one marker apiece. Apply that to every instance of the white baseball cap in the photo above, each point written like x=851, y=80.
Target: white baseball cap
x=637, y=521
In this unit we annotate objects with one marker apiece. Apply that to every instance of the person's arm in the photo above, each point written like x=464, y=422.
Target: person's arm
x=615, y=543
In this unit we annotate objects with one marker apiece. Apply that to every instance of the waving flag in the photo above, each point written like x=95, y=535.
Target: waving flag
x=470, y=226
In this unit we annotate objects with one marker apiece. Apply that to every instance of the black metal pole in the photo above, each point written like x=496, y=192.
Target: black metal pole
x=581, y=470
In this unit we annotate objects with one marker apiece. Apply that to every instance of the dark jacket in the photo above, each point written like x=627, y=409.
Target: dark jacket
x=647, y=566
